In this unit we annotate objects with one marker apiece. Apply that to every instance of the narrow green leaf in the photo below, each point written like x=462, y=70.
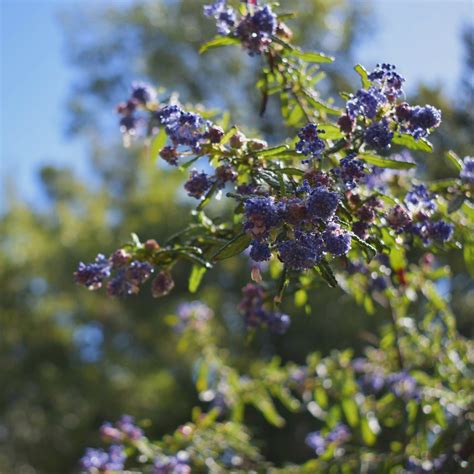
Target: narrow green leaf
x=386, y=162
x=320, y=105
x=454, y=160
x=331, y=131
x=275, y=150
x=217, y=42
x=369, y=250
x=367, y=434
x=326, y=272
x=351, y=411
x=407, y=140
x=234, y=247
x=364, y=75
x=157, y=143
x=196, y=277
x=312, y=57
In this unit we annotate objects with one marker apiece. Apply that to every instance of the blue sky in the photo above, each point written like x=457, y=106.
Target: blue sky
x=421, y=36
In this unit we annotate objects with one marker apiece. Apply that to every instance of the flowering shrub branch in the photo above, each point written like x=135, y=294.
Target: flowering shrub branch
x=330, y=203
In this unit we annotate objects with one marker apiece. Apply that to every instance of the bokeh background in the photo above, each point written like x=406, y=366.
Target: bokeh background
x=70, y=359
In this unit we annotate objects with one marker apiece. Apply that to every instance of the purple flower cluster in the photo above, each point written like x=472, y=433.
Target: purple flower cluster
x=254, y=30
x=256, y=315
x=142, y=96
x=337, y=436
x=193, y=315
x=92, y=275
x=467, y=170
x=261, y=215
x=350, y=170
x=305, y=251
x=177, y=464
x=225, y=16
x=376, y=112
x=128, y=274
x=99, y=460
x=198, y=184
x=124, y=429
x=309, y=143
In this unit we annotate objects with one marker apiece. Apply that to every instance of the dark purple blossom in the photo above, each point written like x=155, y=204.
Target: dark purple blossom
x=162, y=284
x=350, y=170
x=309, y=143
x=143, y=93
x=170, y=155
x=467, y=170
x=423, y=119
x=92, y=275
x=398, y=217
x=198, y=184
x=440, y=230
x=255, y=30
x=303, y=252
x=322, y=203
x=378, y=136
x=337, y=241
x=389, y=81
x=365, y=103
x=420, y=199
x=128, y=279
x=260, y=251
x=261, y=214
x=225, y=174
x=225, y=16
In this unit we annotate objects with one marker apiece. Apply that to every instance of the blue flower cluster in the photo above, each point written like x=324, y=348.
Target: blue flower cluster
x=308, y=220
x=128, y=274
x=467, y=170
x=309, y=143
x=255, y=29
x=336, y=437
x=99, y=460
x=256, y=315
x=375, y=381
x=124, y=429
x=177, y=464
x=375, y=115
x=192, y=315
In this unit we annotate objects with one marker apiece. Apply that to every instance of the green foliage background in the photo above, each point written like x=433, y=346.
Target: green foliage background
x=56, y=387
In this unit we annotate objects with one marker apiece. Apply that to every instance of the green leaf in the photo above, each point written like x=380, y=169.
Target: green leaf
x=321, y=397
x=263, y=402
x=217, y=42
x=312, y=57
x=320, y=105
x=195, y=278
x=234, y=247
x=301, y=297
x=331, y=131
x=275, y=150
x=351, y=411
x=469, y=257
x=454, y=160
x=367, y=434
x=157, y=143
x=456, y=203
x=407, y=140
x=364, y=75
x=386, y=162
x=369, y=250
x=326, y=272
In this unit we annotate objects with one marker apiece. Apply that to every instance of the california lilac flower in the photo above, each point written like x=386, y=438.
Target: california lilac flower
x=440, y=230
x=467, y=171
x=143, y=93
x=403, y=385
x=225, y=174
x=365, y=103
x=378, y=136
x=128, y=279
x=255, y=31
x=225, y=16
x=294, y=210
x=261, y=215
x=177, y=464
x=350, y=170
x=193, y=315
x=260, y=251
x=389, y=81
x=170, y=155
x=322, y=203
x=399, y=218
x=303, y=252
x=252, y=308
x=93, y=274
x=309, y=142
x=124, y=428
x=162, y=284
x=338, y=435
x=98, y=460
x=423, y=119
x=420, y=199
x=198, y=184
x=337, y=241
